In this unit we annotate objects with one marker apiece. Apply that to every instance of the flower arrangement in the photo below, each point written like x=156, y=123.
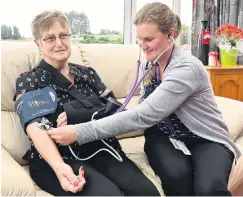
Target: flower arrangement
x=229, y=37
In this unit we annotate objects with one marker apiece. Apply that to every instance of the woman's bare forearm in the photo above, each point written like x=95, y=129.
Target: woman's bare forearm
x=44, y=145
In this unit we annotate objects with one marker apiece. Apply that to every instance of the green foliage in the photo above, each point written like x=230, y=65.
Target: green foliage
x=16, y=33
x=107, y=31
x=4, y=32
x=10, y=32
x=100, y=39
x=184, y=27
x=7, y=33
x=79, y=22
x=184, y=35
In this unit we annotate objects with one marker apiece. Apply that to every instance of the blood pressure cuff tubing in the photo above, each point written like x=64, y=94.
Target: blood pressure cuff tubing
x=35, y=104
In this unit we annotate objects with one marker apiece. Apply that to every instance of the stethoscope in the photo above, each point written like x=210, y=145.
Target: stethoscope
x=147, y=70
x=134, y=88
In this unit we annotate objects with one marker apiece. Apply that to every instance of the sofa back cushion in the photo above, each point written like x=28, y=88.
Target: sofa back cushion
x=115, y=63
x=16, y=59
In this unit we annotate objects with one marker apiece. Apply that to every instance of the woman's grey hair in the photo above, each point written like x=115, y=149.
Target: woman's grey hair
x=161, y=15
x=44, y=21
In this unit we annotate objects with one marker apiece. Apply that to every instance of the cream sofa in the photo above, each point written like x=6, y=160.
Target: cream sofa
x=116, y=64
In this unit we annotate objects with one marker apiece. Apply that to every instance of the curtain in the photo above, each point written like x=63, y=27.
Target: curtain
x=217, y=13
x=240, y=24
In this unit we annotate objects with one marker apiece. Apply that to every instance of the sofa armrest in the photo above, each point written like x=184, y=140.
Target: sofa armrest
x=236, y=175
x=235, y=184
x=240, y=135
x=15, y=181
x=239, y=143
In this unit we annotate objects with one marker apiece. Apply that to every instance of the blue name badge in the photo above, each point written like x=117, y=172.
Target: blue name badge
x=35, y=104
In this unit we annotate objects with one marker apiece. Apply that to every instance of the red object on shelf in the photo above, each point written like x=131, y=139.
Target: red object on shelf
x=206, y=37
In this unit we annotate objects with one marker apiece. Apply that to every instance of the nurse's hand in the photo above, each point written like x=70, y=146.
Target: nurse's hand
x=64, y=135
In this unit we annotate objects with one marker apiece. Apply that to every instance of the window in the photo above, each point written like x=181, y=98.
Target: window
x=172, y=4
x=186, y=21
x=101, y=21
x=141, y=3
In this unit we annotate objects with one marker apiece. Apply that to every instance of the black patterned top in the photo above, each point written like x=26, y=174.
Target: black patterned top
x=87, y=81
x=171, y=125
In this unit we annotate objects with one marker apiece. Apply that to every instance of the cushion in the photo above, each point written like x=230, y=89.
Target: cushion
x=119, y=77
x=13, y=138
x=235, y=184
x=15, y=181
x=232, y=111
x=39, y=191
x=239, y=143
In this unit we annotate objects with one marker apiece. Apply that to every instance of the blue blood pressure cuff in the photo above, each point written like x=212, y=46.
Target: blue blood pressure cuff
x=36, y=104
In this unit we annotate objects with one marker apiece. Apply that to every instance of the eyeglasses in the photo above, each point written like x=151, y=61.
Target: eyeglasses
x=52, y=38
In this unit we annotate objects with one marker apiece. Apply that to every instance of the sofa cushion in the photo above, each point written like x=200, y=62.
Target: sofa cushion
x=236, y=175
x=232, y=112
x=13, y=138
x=18, y=58
x=119, y=77
x=235, y=184
x=239, y=143
x=15, y=181
x=38, y=190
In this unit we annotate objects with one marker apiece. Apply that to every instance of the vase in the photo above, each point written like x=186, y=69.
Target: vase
x=228, y=58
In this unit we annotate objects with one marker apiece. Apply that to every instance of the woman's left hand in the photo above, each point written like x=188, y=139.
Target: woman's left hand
x=64, y=135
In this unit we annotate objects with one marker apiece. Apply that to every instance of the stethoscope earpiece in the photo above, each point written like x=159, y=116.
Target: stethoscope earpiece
x=171, y=38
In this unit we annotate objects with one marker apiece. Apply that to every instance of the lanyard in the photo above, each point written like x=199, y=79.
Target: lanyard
x=157, y=68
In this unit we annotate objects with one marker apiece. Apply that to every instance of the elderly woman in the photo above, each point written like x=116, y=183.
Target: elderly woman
x=187, y=141
x=52, y=166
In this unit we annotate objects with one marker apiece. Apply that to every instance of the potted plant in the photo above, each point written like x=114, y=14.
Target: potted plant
x=229, y=39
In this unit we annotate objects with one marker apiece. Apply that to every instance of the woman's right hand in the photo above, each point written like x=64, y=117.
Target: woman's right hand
x=68, y=180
